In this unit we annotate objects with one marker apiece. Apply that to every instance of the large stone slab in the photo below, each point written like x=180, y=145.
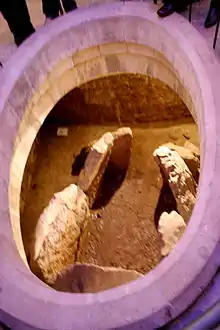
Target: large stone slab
x=111, y=149
x=88, y=278
x=189, y=155
x=180, y=179
x=171, y=226
x=92, y=173
x=58, y=232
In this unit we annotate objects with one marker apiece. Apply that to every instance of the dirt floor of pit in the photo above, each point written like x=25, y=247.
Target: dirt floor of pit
x=123, y=233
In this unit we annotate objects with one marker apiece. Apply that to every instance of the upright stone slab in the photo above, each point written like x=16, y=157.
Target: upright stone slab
x=190, y=158
x=92, y=174
x=88, y=278
x=180, y=179
x=171, y=227
x=58, y=232
x=112, y=148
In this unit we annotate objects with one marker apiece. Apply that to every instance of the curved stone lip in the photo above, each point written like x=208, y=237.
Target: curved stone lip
x=168, y=289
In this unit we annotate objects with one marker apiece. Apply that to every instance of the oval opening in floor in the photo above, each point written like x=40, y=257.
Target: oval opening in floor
x=121, y=231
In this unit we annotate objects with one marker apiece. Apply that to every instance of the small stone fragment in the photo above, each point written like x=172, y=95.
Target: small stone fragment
x=180, y=179
x=88, y=278
x=189, y=157
x=171, y=227
x=121, y=151
x=91, y=176
x=62, y=131
x=57, y=233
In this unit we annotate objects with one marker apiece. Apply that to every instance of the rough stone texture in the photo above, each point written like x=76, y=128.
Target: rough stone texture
x=112, y=148
x=119, y=155
x=190, y=158
x=57, y=233
x=87, y=278
x=181, y=181
x=97, y=160
x=171, y=227
x=121, y=151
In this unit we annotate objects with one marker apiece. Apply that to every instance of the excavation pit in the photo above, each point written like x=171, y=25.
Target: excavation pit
x=122, y=231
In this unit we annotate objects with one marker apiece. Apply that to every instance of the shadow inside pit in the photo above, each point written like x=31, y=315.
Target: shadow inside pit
x=166, y=203
x=112, y=181
x=79, y=161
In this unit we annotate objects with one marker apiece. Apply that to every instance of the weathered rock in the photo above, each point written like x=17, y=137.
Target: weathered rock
x=171, y=227
x=121, y=151
x=58, y=232
x=180, y=179
x=91, y=175
x=112, y=148
x=87, y=278
x=191, y=160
